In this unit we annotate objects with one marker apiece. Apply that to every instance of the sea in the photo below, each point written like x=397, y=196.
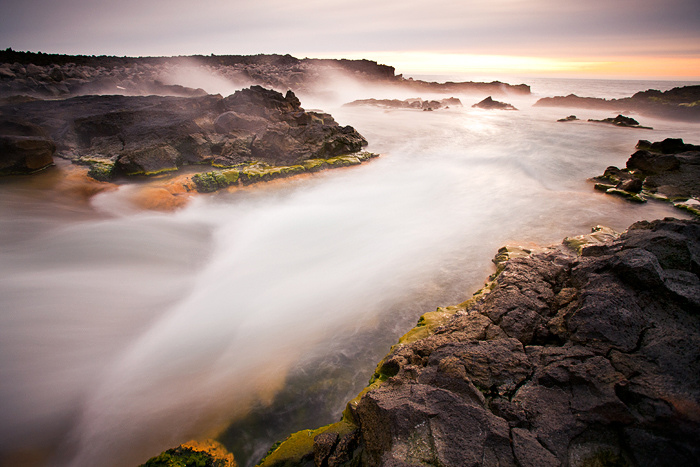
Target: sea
x=251, y=314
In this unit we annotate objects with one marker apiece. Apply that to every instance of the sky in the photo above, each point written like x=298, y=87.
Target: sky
x=598, y=38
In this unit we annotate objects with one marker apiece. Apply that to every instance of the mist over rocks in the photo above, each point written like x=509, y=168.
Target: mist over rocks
x=148, y=135
x=681, y=103
x=59, y=76
x=586, y=353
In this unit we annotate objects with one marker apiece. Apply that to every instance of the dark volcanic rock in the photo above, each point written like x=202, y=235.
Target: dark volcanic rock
x=570, y=118
x=24, y=147
x=563, y=359
x=490, y=104
x=677, y=104
x=51, y=75
x=120, y=135
x=668, y=170
x=622, y=121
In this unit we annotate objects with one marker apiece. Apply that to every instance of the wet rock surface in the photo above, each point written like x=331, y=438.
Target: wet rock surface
x=668, y=170
x=586, y=354
x=146, y=135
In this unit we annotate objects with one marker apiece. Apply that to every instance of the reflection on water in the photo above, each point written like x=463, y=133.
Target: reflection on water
x=123, y=333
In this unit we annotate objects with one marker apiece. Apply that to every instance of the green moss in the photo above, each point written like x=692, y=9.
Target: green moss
x=427, y=324
x=634, y=197
x=100, y=168
x=599, y=234
x=298, y=448
x=181, y=457
x=603, y=187
x=692, y=206
x=605, y=458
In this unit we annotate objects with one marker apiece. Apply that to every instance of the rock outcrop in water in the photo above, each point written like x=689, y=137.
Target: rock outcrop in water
x=682, y=103
x=490, y=104
x=586, y=353
x=50, y=75
x=621, y=121
x=667, y=170
x=147, y=135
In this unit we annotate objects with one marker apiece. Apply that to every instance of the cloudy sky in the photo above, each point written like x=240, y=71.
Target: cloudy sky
x=634, y=38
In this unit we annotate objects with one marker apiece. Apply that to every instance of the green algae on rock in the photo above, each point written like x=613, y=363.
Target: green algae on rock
x=246, y=174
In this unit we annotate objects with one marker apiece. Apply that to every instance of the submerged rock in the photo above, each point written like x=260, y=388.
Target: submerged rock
x=490, y=104
x=570, y=118
x=565, y=358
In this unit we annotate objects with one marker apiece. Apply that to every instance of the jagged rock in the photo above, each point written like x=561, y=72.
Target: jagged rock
x=490, y=104
x=597, y=362
x=125, y=136
x=667, y=170
x=570, y=118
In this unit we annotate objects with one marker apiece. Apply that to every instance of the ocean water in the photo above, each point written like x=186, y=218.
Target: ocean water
x=252, y=314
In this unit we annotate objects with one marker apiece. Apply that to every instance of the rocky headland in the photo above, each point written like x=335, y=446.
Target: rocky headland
x=38, y=75
x=667, y=170
x=682, y=103
x=584, y=353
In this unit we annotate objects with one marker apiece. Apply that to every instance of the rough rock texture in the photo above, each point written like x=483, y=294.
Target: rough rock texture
x=680, y=103
x=146, y=135
x=24, y=147
x=50, y=75
x=417, y=103
x=667, y=170
x=564, y=358
x=490, y=104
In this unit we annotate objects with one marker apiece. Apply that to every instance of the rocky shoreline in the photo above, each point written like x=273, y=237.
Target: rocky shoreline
x=680, y=103
x=584, y=353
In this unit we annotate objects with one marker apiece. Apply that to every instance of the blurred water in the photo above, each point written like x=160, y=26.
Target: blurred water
x=123, y=333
